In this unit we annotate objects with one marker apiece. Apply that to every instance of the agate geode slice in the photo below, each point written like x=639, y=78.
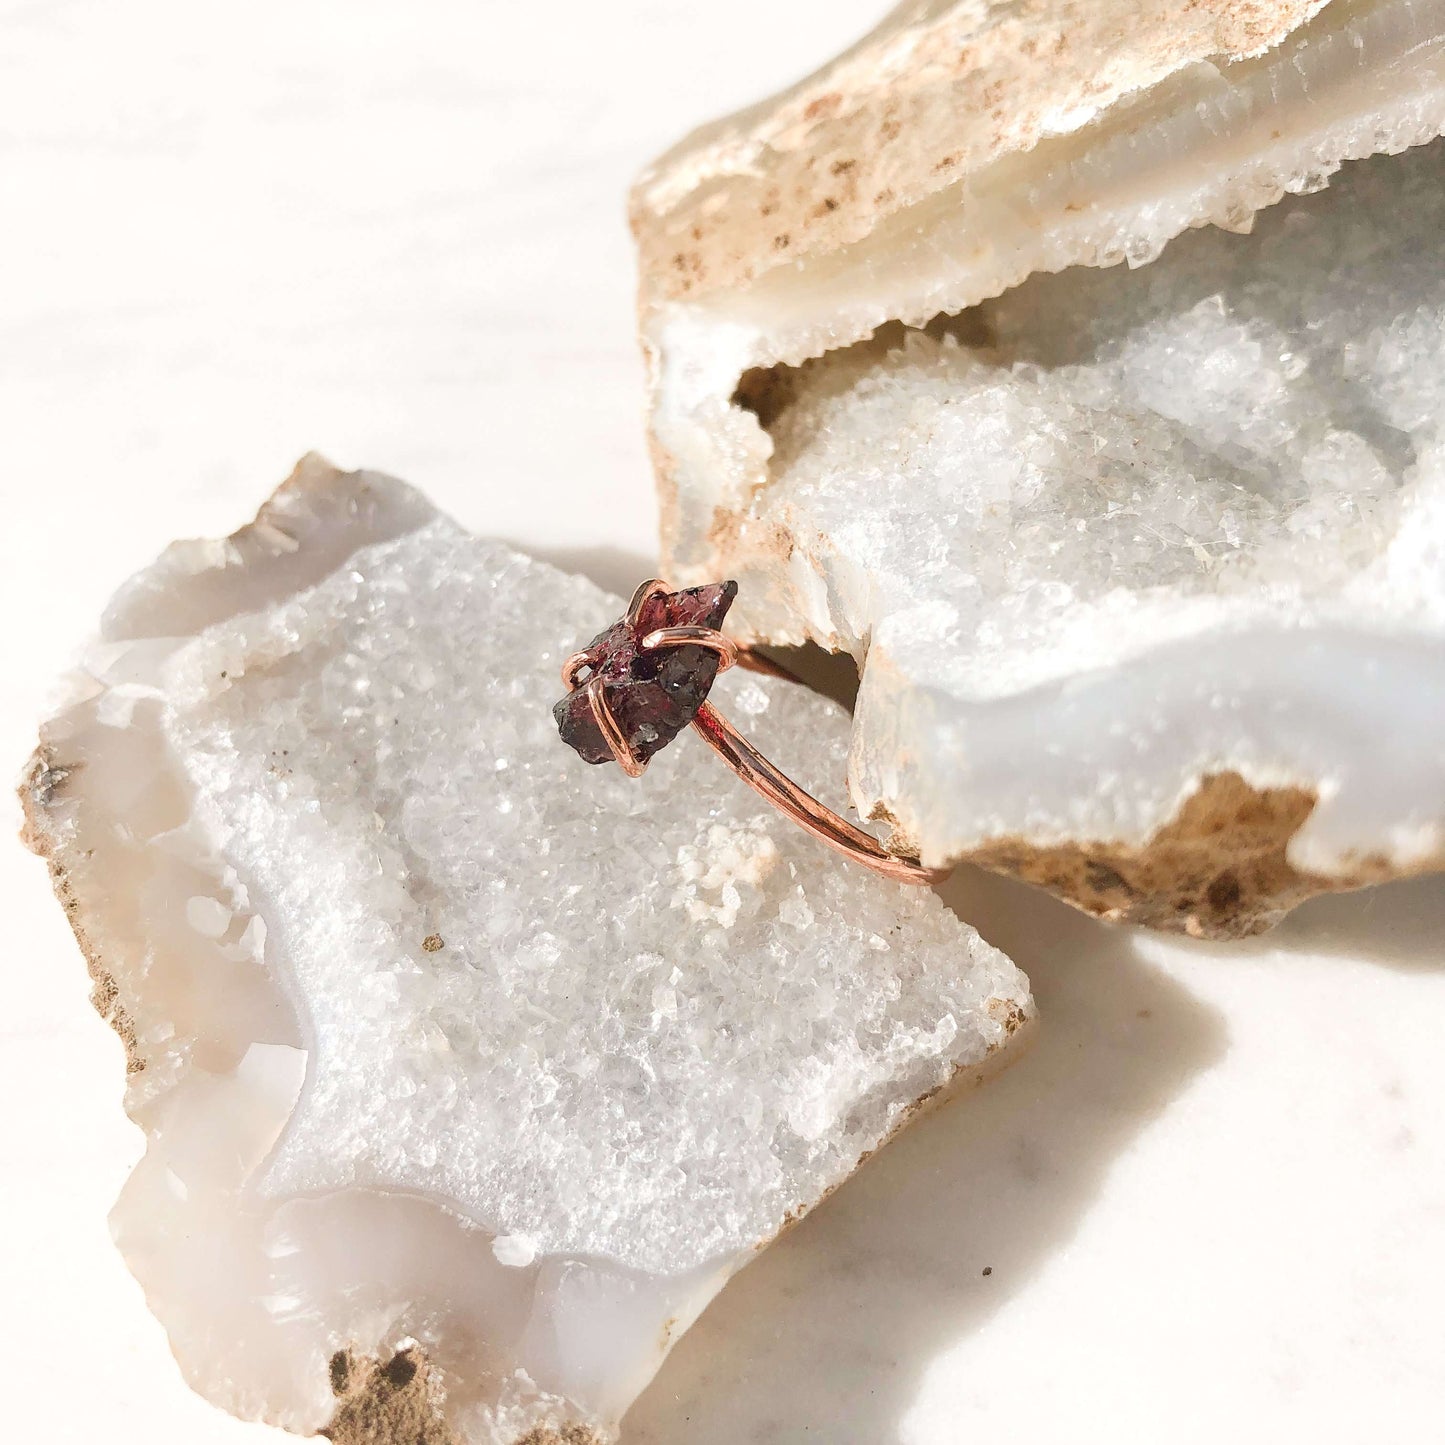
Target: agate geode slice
x=1143, y=562
x=464, y=1088
x=655, y=693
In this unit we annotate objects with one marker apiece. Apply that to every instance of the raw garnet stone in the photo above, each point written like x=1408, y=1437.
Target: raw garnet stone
x=653, y=695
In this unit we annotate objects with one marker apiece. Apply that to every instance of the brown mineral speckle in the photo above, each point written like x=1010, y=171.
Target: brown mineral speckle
x=1218, y=869
x=105, y=999
x=986, y=84
x=822, y=105
x=397, y=1401
x=1009, y=1014
x=563, y=1435
x=400, y=1370
x=765, y=540
x=40, y=789
x=433, y=943
x=766, y=392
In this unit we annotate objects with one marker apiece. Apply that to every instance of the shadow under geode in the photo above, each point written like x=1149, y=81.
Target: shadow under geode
x=1400, y=925
x=826, y=1337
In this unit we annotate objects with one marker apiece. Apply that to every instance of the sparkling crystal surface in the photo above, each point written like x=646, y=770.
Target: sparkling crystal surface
x=1242, y=420
x=1144, y=524
x=439, y=1036
x=1110, y=509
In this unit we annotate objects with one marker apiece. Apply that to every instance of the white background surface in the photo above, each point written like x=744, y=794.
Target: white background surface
x=1212, y=1198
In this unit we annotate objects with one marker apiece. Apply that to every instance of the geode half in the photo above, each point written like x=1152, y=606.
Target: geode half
x=468, y=1073
x=1144, y=564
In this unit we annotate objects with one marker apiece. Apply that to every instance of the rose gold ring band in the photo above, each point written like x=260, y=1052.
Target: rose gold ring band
x=739, y=754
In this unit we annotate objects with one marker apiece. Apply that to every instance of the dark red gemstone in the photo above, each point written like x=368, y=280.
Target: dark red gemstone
x=653, y=695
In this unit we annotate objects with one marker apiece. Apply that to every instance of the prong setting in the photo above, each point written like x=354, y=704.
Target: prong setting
x=630, y=764
x=708, y=637
x=646, y=591
x=574, y=667
x=658, y=698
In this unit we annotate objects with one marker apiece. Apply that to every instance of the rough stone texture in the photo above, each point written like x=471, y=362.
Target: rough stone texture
x=936, y=94
x=1115, y=548
x=391, y=1402
x=1219, y=869
x=468, y=1073
x=652, y=694
x=38, y=787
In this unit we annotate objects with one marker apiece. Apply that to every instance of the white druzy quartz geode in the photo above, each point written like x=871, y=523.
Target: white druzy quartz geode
x=468, y=1072
x=1144, y=564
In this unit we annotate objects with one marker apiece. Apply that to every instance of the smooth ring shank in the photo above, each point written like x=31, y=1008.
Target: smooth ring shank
x=804, y=809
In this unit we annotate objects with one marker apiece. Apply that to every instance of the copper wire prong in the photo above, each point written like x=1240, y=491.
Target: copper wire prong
x=745, y=760
x=572, y=670
x=653, y=587
x=708, y=637
x=612, y=733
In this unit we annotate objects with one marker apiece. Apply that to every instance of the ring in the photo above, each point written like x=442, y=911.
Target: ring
x=635, y=686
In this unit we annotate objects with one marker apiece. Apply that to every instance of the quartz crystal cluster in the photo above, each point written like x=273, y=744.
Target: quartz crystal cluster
x=1144, y=565
x=468, y=1073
